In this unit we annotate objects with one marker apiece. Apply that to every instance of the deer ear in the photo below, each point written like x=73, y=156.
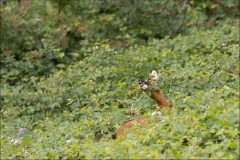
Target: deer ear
x=154, y=75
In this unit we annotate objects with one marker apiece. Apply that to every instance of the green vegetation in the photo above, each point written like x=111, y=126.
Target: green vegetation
x=70, y=71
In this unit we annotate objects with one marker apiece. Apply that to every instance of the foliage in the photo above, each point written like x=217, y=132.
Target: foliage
x=76, y=110
x=123, y=23
x=39, y=37
x=110, y=19
x=35, y=40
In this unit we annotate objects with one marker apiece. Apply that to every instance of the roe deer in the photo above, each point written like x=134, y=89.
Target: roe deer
x=153, y=91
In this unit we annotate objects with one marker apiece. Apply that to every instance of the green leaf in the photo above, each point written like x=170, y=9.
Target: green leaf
x=1, y=143
x=232, y=145
x=26, y=141
x=61, y=55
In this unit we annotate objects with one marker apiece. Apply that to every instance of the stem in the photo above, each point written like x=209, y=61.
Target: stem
x=212, y=74
x=79, y=101
x=203, y=141
x=131, y=111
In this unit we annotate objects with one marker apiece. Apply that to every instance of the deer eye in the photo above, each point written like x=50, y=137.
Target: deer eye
x=141, y=81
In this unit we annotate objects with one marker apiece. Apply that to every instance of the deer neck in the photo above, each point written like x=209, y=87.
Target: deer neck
x=158, y=97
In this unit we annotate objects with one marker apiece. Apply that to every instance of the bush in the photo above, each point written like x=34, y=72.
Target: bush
x=43, y=35
x=76, y=110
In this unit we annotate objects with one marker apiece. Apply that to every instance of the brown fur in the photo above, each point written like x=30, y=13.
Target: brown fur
x=128, y=125
x=158, y=97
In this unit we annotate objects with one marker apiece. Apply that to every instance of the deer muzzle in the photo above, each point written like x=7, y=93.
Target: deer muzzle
x=143, y=84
